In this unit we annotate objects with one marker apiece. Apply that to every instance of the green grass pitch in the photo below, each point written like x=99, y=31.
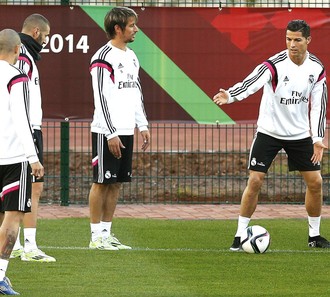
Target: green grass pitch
x=174, y=258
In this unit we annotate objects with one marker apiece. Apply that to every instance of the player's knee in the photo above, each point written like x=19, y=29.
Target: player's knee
x=315, y=184
x=255, y=182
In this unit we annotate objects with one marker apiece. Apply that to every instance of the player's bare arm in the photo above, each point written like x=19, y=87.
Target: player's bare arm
x=221, y=97
x=319, y=147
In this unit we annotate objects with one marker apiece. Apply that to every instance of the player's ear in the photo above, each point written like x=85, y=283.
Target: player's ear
x=118, y=29
x=35, y=32
x=17, y=49
x=309, y=39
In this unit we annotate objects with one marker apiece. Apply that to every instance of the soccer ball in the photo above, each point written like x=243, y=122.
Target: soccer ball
x=255, y=240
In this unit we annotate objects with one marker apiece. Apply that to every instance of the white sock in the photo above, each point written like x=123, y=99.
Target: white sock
x=243, y=222
x=95, y=231
x=106, y=229
x=30, y=239
x=3, y=268
x=17, y=244
x=314, y=226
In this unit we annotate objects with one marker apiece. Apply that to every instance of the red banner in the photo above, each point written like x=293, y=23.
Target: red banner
x=213, y=48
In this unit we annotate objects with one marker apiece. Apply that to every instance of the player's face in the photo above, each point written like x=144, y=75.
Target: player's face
x=130, y=30
x=42, y=35
x=296, y=44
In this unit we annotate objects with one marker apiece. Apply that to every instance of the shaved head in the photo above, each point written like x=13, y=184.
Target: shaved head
x=33, y=21
x=9, y=45
x=9, y=39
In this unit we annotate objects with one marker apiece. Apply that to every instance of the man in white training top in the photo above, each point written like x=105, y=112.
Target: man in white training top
x=292, y=117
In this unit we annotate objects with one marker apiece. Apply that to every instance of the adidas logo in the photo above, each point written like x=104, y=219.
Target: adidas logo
x=286, y=79
x=38, y=257
x=3, y=289
x=120, y=66
x=311, y=78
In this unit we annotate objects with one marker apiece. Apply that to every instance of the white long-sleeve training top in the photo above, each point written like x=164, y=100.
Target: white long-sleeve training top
x=16, y=137
x=294, y=100
x=118, y=99
x=27, y=64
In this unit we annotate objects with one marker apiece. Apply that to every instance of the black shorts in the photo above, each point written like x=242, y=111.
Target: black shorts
x=15, y=186
x=106, y=168
x=265, y=148
x=39, y=143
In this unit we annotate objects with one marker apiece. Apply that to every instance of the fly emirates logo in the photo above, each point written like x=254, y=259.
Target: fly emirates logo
x=130, y=83
x=296, y=98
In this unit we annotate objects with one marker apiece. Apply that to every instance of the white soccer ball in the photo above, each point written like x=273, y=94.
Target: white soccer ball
x=255, y=240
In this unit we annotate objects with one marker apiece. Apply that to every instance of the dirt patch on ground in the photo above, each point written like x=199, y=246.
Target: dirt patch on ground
x=197, y=177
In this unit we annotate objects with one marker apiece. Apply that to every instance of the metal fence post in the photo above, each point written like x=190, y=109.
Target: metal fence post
x=65, y=169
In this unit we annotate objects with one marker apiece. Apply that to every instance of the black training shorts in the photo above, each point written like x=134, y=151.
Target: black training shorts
x=106, y=168
x=265, y=148
x=15, y=187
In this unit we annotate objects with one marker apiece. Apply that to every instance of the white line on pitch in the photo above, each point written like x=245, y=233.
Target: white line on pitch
x=311, y=251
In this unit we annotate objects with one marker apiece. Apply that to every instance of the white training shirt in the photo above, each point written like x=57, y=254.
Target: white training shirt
x=27, y=64
x=289, y=92
x=118, y=98
x=15, y=134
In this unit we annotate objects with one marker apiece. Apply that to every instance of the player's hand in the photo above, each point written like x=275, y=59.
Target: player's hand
x=115, y=145
x=319, y=147
x=221, y=98
x=146, y=139
x=37, y=170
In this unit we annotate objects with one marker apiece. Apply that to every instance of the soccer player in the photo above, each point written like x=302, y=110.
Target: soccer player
x=17, y=151
x=35, y=30
x=119, y=108
x=292, y=117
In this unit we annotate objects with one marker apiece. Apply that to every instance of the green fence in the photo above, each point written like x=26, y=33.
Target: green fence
x=186, y=163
